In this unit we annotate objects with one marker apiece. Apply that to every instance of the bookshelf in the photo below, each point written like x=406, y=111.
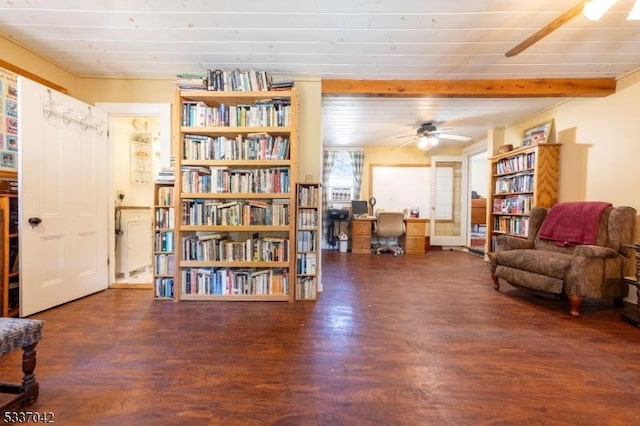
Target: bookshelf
x=308, y=222
x=235, y=176
x=521, y=179
x=10, y=280
x=164, y=240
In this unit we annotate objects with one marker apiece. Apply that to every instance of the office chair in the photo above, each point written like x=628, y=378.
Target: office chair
x=389, y=225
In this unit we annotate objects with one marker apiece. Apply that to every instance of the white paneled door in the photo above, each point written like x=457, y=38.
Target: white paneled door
x=448, y=218
x=63, y=198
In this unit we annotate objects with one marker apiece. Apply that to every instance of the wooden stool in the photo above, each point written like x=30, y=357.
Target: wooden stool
x=16, y=333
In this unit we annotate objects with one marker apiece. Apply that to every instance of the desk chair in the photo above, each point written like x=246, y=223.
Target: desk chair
x=389, y=225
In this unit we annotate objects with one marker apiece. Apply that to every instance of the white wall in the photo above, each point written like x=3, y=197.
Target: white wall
x=479, y=174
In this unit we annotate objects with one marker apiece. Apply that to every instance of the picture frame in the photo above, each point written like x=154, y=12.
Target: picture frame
x=542, y=133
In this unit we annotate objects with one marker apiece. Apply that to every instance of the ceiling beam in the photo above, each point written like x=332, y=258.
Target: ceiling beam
x=21, y=71
x=510, y=88
x=542, y=33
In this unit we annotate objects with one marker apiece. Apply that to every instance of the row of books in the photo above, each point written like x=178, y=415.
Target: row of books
x=163, y=241
x=166, y=175
x=308, y=196
x=165, y=196
x=306, y=288
x=520, y=162
x=164, y=287
x=165, y=218
x=307, y=219
x=518, y=225
x=234, y=281
x=234, y=80
x=224, y=180
x=306, y=263
x=513, y=204
x=219, y=247
x=252, y=147
x=307, y=241
x=235, y=213
x=164, y=264
x=275, y=112
x=517, y=183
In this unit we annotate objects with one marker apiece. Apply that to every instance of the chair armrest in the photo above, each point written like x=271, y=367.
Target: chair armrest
x=588, y=250
x=509, y=242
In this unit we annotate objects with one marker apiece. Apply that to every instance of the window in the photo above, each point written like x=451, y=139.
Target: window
x=341, y=183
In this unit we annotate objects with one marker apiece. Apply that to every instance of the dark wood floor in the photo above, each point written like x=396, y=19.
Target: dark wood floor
x=391, y=341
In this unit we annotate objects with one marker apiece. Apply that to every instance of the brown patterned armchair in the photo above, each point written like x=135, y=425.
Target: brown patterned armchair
x=577, y=270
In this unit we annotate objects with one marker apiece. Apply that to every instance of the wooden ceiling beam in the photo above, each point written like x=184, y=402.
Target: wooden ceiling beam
x=21, y=71
x=510, y=88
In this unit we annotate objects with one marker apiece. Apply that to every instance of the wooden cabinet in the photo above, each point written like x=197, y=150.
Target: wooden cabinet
x=164, y=241
x=478, y=212
x=10, y=280
x=236, y=170
x=521, y=179
x=308, y=221
x=361, y=230
x=413, y=240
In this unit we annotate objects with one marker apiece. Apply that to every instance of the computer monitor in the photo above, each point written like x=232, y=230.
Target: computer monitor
x=359, y=208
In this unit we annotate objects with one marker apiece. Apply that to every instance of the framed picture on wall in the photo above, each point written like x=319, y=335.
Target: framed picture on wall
x=542, y=133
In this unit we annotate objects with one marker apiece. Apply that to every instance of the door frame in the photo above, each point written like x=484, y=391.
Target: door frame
x=455, y=241
x=160, y=110
x=470, y=151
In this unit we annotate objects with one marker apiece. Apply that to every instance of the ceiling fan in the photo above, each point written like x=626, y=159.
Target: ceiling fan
x=428, y=136
x=592, y=9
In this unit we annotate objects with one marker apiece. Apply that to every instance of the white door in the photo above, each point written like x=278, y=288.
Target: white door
x=448, y=218
x=63, y=200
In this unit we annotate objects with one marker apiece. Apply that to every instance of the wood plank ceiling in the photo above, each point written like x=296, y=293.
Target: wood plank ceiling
x=339, y=40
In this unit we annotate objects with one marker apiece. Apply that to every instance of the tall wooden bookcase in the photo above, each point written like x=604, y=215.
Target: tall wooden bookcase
x=308, y=229
x=164, y=240
x=236, y=170
x=521, y=179
x=9, y=268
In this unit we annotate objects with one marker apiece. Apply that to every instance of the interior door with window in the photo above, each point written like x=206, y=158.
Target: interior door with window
x=448, y=218
x=63, y=200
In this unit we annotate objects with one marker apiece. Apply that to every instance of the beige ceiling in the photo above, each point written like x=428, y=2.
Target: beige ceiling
x=337, y=39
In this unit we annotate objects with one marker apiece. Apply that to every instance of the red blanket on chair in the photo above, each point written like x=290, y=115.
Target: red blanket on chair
x=573, y=223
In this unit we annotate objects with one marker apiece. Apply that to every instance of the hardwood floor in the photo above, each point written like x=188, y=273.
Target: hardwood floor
x=391, y=341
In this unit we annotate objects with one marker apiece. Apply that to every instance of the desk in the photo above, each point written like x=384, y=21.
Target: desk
x=412, y=241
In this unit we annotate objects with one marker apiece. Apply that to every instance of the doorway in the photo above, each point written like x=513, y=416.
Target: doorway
x=139, y=146
x=479, y=188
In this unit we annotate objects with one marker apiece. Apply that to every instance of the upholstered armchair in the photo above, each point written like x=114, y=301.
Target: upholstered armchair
x=566, y=265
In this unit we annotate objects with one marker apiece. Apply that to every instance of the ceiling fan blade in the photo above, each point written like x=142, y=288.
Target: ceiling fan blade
x=407, y=135
x=545, y=31
x=454, y=137
x=403, y=144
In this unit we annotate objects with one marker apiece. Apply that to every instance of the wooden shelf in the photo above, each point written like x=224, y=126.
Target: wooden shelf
x=10, y=281
x=308, y=259
x=205, y=276
x=530, y=175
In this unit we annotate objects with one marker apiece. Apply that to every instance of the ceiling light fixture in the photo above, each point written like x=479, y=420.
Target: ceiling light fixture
x=423, y=142
x=594, y=9
x=634, y=15
x=433, y=140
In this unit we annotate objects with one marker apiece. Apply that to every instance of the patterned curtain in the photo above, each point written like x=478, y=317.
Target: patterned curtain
x=357, y=160
x=327, y=164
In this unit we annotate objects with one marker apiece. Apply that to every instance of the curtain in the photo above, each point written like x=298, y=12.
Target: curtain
x=357, y=160
x=327, y=164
